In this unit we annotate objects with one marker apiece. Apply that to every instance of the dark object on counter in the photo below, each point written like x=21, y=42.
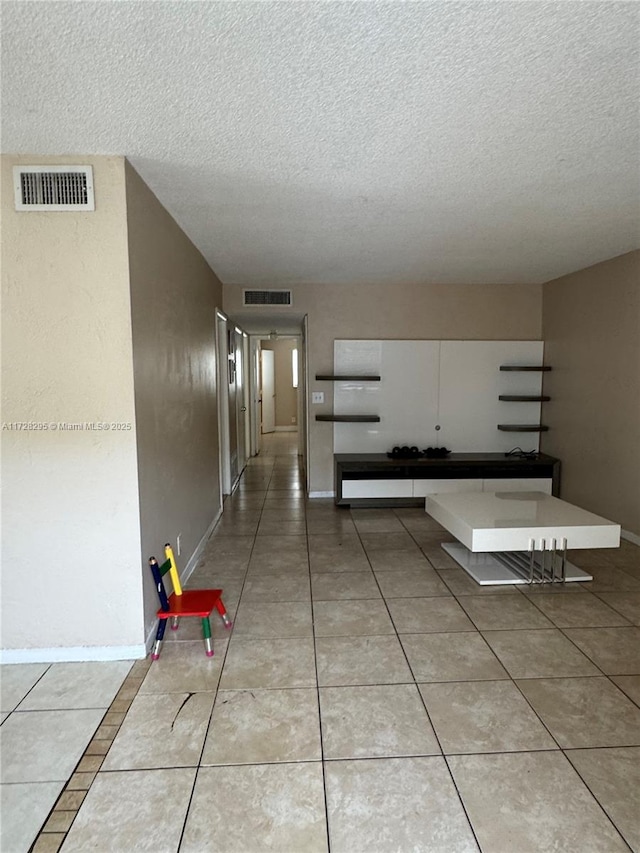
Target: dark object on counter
x=436, y=452
x=405, y=452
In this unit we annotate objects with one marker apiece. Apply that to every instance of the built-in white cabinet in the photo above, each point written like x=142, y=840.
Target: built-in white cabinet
x=422, y=488
x=373, y=479
x=434, y=393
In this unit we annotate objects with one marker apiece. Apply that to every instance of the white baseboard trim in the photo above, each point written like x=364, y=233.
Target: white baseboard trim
x=287, y=429
x=313, y=495
x=630, y=537
x=73, y=654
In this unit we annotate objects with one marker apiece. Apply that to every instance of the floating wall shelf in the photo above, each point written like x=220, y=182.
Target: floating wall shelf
x=356, y=419
x=523, y=398
x=522, y=427
x=342, y=377
x=521, y=368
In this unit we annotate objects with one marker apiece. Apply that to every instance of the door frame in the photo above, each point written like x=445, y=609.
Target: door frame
x=222, y=352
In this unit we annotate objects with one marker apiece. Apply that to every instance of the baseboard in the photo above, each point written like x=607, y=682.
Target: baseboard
x=151, y=637
x=313, y=495
x=630, y=537
x=73, y=654
x=192, y=562
x=287, y=429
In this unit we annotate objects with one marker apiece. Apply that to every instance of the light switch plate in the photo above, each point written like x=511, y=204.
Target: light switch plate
x=317, y=396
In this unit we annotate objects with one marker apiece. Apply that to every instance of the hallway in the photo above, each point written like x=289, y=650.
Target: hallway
x=370, y=697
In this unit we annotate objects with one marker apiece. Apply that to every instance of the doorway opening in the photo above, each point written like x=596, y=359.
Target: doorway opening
x=279, y=385
x=278, y=382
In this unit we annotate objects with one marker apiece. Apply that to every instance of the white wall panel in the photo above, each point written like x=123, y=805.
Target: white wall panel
x=470, y=382
x=451, y=384
x=406, y=398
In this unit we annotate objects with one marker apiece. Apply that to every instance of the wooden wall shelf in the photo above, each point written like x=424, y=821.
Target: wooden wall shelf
x=523, y=427
x=523, y=368
x=344, y=377
x=355, y=419
x=523, y=398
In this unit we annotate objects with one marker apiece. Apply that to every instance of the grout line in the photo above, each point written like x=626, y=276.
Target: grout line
x=320, y=729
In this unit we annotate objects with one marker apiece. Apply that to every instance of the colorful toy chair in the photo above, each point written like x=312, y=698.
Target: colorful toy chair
x=190, y=602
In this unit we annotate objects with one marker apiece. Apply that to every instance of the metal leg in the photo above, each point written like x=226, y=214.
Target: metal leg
x=175, y=621
x=554, y=560
x=532, y=559
x=155, y=654
x=543, y=560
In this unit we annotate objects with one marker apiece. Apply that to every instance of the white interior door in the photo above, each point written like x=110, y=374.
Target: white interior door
x=268, y=391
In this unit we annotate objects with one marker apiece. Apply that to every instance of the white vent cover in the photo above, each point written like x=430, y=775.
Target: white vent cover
x=53, y=187
x=281, y=298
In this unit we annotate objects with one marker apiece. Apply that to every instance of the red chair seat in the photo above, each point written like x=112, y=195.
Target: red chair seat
x=189, y=602
x=197, y=602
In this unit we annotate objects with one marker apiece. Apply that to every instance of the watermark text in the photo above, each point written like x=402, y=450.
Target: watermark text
x=67, y=426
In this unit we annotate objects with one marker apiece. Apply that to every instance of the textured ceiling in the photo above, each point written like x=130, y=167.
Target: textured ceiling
x=350, y=141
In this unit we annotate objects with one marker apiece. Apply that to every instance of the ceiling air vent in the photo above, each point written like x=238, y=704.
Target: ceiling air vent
x=53, y=187
x=267, y=297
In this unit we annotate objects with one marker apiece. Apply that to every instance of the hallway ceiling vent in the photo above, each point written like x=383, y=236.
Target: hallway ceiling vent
x=53, y=187
x=267, y=297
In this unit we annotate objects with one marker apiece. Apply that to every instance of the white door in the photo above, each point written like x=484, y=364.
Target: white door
x=268, y=391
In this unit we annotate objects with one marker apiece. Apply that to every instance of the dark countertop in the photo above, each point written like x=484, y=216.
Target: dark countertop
x=470, y=459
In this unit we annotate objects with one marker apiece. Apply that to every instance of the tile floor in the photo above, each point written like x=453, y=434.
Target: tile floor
x=370, y=697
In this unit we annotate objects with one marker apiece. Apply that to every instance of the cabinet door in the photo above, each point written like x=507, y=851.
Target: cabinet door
x=422, y=488
x=405, y=398
x=470, y=383
x=377, y=488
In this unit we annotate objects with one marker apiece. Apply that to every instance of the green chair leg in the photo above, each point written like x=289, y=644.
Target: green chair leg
x=206, y=635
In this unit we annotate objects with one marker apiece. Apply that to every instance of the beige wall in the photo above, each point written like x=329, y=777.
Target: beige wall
x=286, y=394
x=174, y=295
x=71, y=535
x=476, y=312
x=591, y=328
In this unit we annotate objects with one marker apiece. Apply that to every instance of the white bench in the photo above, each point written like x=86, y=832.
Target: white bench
x=518, y=537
